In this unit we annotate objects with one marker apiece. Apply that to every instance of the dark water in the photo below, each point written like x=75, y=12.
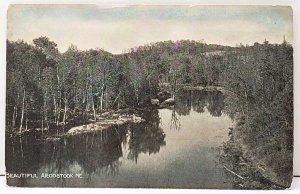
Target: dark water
x=177, y=148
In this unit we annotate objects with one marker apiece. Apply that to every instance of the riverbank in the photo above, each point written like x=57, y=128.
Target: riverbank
x=245, y=174
x=84, y=124
x=104, y=122
x=249, y=170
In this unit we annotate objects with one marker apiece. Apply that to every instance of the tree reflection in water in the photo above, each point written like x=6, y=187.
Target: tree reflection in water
x=199, y=100
x=100, y=153
x=175, y=122
x=96, y=153
x=147, y=137
x=183, y=102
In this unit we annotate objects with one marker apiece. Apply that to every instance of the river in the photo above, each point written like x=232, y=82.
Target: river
x=177, y=147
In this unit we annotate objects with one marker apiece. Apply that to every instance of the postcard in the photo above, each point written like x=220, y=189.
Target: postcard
x=144, y=96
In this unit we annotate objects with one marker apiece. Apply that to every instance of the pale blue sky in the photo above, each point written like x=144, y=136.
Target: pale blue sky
x=117, y=29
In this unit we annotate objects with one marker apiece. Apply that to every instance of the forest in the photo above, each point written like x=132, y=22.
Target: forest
x=51, y=90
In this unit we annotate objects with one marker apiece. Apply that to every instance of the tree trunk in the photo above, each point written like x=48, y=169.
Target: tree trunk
x=112, y=105
x=55, y=110
x=21, y=146
x=14, y=117
x=45, y=108
x=58, y=108
x=57, y=103
x=57, y=75
x=23, y=109
x=101, y=98
x=65, y=110
x=42, y=127
x=106, y=100
x=15, y=113
x=58, y=115
x=26, y=122
x=93, y=103
x=87, y=92
x=103, y=89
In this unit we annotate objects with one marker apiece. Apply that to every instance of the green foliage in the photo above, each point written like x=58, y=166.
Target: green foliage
x=46, y=87
x=261, y=77
x=50, y=86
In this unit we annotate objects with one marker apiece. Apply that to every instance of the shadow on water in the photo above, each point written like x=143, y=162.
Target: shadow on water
x=199, y=100
x=146, y=138
x=100, y=156
x=95, y=153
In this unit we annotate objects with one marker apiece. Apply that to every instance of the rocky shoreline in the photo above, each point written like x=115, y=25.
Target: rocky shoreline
x=248, y=172
x=105, y=122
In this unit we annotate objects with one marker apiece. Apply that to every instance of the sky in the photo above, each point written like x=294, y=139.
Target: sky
x=116, y=29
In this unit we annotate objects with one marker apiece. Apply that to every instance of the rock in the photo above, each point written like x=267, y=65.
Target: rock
x=155, y=102
x=168, y=102
x=220, y=88
x=76, y=129
x=115, y=115
x=163, y=95
x=105, y=114
x=115, y=119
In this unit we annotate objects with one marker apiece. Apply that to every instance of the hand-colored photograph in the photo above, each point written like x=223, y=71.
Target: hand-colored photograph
x=140, y=96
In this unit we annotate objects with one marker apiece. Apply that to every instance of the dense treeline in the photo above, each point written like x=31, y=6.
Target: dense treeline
x=261, y=77
x=46, y=88
x=49, y=87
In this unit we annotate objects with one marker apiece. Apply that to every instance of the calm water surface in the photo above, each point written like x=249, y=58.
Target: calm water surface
x=177, y=148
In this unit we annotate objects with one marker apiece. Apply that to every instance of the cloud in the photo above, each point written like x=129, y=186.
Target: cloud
x=119, y=34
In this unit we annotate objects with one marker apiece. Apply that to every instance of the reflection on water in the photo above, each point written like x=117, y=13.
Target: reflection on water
x=199, y=100
x=175, y=147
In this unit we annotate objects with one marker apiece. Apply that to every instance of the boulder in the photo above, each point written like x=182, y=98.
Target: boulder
x=168, y=102
x=155, y=102
x=163, y=95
